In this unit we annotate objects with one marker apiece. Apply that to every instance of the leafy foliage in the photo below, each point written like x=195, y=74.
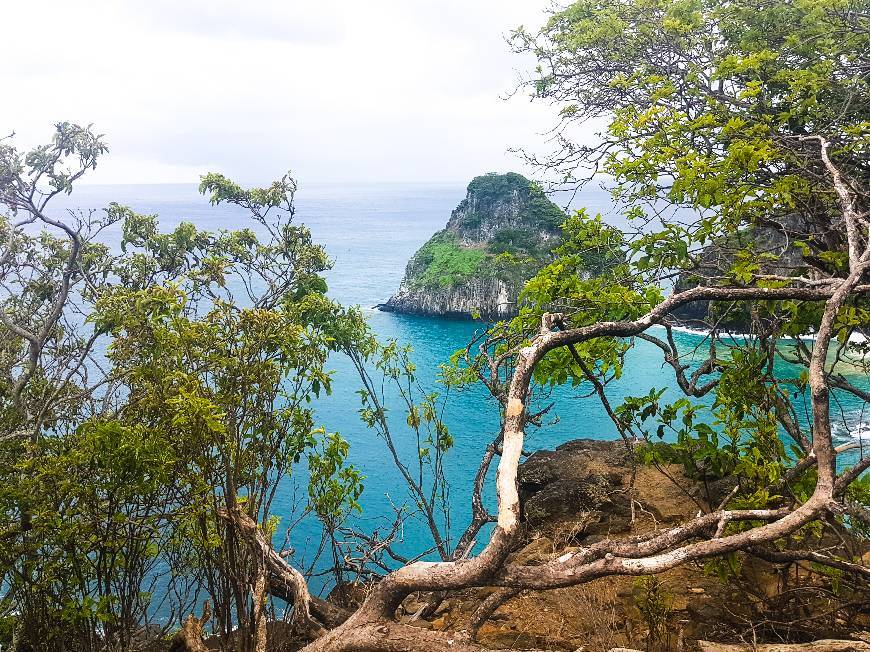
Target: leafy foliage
x=718, y=118
x=120, y=466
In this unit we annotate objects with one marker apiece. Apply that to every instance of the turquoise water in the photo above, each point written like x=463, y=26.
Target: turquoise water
x=371, y=231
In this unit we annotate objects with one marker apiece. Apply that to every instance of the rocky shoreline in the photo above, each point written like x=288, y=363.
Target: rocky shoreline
x=490, y=299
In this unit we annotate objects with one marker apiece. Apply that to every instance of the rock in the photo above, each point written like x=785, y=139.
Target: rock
x=714, y=491
x=776, y=252
x=462, y=270
x=439, y=623
x=413, y=604
x=825, y=645
x=490, y=298
x=574, y=480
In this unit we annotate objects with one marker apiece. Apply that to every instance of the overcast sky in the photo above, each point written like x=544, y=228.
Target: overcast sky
x=335, y=90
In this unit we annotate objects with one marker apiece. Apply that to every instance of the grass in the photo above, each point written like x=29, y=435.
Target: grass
x=445, y=263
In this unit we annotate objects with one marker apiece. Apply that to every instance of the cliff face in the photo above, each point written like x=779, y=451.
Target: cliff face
x=495, y=239
x=776, y=251
x=491, y=298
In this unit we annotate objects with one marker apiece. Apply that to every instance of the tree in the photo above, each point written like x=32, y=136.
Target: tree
x=46, y=382
x=744, y=115
x=149, y=413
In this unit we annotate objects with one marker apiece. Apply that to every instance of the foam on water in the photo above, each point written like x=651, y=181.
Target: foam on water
x=854, y=338
x=857, y=429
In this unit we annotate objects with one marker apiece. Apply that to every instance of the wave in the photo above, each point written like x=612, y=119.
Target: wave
x=854, y=338
x=851, y=430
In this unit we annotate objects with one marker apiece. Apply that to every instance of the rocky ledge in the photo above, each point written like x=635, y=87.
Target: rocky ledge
x=583, y=492
x=495, y=240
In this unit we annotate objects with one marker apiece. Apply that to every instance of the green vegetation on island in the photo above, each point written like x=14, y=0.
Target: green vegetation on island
x=445, y=263
x=498, y=237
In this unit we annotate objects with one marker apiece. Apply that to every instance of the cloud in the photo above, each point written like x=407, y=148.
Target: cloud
x=345, y=91
x=282, y=21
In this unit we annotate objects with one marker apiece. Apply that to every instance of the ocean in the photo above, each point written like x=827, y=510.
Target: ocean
x=370, y=231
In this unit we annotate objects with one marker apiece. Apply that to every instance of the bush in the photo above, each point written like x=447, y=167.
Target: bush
x=515, y=241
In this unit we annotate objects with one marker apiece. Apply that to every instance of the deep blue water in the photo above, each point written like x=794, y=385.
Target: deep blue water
x=371, y=231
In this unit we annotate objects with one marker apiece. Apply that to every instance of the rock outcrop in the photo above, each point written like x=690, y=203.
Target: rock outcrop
x=496, y=239
x=558, y=485
x=586, y=490
x=775, y=249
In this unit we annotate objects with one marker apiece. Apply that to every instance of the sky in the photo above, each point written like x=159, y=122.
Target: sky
x=372, y=91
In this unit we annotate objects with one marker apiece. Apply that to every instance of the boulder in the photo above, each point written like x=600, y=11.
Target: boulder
x=582, y=479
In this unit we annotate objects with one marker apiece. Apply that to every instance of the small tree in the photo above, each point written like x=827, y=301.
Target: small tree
x=151, y=412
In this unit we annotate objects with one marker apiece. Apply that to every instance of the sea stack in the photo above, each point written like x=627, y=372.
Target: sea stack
x=495, y=240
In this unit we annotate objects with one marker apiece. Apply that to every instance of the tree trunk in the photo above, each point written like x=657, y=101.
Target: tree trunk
x=190, y=637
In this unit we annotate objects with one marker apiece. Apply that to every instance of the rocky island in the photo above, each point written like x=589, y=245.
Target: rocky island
x=496, y=239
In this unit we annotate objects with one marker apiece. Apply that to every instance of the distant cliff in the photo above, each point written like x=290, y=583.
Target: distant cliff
x=496, y=239
x=774, y=251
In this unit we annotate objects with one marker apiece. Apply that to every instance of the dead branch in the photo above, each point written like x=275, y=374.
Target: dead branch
x=190, y=637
